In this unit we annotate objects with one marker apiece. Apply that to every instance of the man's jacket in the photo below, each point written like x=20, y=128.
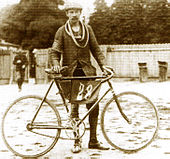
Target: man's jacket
x=19, y=61
x=72, y=54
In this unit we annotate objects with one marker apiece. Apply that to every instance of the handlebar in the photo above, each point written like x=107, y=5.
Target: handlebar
x=108, y=73
x=51, y=71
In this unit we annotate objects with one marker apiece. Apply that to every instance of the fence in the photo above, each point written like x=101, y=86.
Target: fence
x=123, y=58
x=5, y=65
x=41, y=64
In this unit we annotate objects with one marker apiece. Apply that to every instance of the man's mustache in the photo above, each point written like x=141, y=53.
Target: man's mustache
x=74, y=18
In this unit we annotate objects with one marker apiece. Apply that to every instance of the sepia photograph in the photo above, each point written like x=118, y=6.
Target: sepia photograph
x=84, y=79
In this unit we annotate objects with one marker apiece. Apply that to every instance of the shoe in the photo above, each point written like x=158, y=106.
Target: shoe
x=97, y=145
x=19, y=88
x=77, y=146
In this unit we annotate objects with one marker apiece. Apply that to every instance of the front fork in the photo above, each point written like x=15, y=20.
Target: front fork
x=118, y=103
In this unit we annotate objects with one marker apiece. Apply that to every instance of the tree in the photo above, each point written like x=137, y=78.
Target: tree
x=128, y=23
x=158, y=17
x=99, y=22
x=131, y=22
x=33, y=23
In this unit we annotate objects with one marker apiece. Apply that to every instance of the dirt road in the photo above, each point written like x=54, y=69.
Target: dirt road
x=159, y=93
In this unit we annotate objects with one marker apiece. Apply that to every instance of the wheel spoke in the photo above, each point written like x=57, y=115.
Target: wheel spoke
x=142, y=129
x=27, y=140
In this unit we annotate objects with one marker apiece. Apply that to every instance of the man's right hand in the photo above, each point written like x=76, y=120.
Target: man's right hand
x=56, y=68
x=18, y=61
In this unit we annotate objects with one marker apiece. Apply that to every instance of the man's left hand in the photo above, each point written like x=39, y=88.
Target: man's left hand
x=105, y=68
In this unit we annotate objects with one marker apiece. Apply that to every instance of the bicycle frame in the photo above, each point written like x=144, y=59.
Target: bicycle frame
x=39, y=122
x=56, y=81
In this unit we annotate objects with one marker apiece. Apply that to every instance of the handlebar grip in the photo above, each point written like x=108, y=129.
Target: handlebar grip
x=109, y=70
x=51, y=71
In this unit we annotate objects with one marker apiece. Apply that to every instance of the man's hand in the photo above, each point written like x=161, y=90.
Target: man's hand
x=56, y=68
x=23, y=66
x=18, y=61
x=105, y=68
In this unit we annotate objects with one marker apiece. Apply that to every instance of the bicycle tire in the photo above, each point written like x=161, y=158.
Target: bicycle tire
x=143, y=115
x=18, y=138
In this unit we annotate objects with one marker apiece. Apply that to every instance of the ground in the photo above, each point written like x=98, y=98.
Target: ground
x=157, y=92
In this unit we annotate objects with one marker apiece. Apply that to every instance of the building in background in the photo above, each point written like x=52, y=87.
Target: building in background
x=8, y=46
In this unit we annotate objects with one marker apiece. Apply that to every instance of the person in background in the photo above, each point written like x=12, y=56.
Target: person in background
x=21, y=62
x=74, y=41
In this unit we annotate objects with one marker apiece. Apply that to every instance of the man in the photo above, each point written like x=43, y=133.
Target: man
x=20, y=61
x=74, y=41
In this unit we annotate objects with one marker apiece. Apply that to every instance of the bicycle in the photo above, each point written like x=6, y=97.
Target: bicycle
x=129, y=120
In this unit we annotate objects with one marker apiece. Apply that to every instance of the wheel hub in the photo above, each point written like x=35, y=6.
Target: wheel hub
x=29, y=127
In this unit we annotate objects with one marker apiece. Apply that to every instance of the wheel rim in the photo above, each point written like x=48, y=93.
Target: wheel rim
x=18, y=138
x=139, y=134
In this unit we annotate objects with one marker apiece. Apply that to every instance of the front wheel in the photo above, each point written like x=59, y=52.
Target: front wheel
x=143, y=126
x=18, y=134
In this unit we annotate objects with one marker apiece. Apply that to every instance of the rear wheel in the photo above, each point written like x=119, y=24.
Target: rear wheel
x=134, y=136
x=19, y=135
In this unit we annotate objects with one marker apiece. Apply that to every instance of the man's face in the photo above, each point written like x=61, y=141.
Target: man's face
x=73, y=15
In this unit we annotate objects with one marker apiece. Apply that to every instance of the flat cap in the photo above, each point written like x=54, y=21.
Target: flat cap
x=72, y=5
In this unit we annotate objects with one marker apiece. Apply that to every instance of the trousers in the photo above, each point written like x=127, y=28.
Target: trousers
x=93, y=117
x=20, y=75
